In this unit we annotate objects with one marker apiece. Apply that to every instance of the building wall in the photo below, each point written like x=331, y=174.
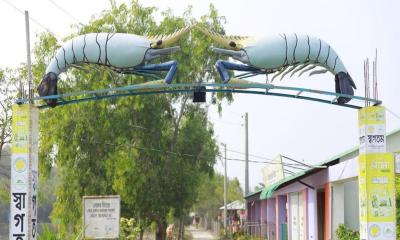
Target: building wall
x=337, y=207
x=271, y=218
x=343, y=171
x=393, y=142
x=316, y=180
x=351, y=205
x=312, y=222
x=264, y=218
x=281, y=214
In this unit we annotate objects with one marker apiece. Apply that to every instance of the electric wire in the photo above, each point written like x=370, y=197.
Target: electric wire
x=226, y=122
x=393, y=113
x=31, y=18
x=296, y=166
x=65, y=12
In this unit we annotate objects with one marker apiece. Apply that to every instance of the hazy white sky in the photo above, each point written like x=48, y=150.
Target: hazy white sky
x=307, y=131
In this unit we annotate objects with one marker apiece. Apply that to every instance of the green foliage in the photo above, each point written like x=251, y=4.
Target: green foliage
x=47, y=234
x=344, y=233
x=9, y=79
x=129, y=229
x=398, y=206
x=151, y=150
x=211, y=194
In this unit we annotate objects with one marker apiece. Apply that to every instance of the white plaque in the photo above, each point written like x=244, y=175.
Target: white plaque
x=101, y=217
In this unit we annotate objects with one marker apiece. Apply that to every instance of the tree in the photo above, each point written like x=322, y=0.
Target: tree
x=151, y=150
x=398, y=206
x=8, y=93
x=211, y=194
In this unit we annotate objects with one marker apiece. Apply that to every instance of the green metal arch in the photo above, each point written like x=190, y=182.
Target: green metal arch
x=357, y=102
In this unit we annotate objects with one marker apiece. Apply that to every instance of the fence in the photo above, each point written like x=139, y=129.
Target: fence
x=261, y=230
x=265, y=231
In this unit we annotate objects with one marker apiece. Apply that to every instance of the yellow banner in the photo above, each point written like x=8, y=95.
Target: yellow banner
x=377, y=187
x=20, y=128
x=371, y=115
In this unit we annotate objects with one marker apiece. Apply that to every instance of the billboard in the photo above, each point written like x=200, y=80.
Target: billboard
x=377, y=196
x=376, y=177
x=273, y=172
x=24, y=172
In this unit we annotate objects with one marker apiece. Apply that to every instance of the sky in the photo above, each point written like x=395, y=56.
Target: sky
x=306, y=131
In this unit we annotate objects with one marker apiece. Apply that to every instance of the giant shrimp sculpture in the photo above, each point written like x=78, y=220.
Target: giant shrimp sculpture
x=123, y=53
x=282, y=54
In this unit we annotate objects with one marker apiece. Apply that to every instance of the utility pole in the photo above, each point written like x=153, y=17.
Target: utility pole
x=28, y=56
x=225, y=190
x=246, y=151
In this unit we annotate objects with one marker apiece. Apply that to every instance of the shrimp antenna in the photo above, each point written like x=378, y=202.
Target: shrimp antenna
x=160, y=41
x=230, y=42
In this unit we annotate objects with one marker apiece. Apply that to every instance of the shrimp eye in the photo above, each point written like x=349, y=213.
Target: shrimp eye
x=159, y=42
x=232, y=44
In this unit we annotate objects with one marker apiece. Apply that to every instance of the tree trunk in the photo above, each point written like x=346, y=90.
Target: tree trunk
x=180, y=231
x=141, y=234
x=161, y=230
x=182, y=228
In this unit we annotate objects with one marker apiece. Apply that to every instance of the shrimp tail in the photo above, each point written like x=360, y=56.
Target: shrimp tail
x=344, y=84
x=48, y=87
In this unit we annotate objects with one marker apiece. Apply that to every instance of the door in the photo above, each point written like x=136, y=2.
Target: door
x=321, y=214
x=297, y=218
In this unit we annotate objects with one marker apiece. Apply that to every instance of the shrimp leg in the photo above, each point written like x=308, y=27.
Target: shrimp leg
x=223, y=67
x=170, y=66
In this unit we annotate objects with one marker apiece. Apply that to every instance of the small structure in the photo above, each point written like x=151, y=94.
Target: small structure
x=235, y=215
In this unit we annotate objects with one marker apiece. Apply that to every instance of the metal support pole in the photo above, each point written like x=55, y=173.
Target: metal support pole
x=246, y=147
x=225, y=190
x=28, y=56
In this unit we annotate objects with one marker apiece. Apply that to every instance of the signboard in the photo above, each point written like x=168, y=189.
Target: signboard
x=376, y=177
x=24, y=173
x=377, y=196
x=372, y=129
x=101, y=217
x=273, y=172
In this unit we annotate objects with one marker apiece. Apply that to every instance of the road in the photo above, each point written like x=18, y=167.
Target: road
x=200, y=234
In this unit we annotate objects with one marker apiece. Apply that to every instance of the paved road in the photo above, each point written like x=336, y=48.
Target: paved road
x=200, y=234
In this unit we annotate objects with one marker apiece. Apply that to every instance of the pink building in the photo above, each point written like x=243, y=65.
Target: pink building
x=311, y=204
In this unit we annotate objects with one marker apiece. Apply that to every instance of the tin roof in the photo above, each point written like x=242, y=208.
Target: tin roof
x=235, y=205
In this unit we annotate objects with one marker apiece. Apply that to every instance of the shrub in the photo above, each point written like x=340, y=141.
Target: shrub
x=47, y=234
x=345, y=233
x=129, y=229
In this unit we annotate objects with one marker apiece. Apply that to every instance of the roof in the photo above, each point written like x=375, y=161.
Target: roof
x=268, y=192
x=235, y=205
x=252, y=194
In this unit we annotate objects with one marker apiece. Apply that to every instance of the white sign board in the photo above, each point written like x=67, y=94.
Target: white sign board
x=273, y=172
x=101, y=217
